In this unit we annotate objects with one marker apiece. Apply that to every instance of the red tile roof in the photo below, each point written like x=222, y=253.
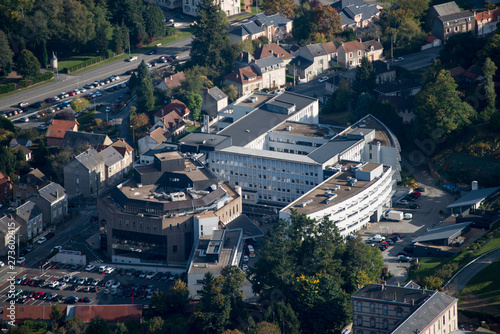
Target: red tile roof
x=30, y=312
x=122, y=144
x=109, y=313
x=243, y=75
x=175, y=105
x=58, y=127
x=456, y=71
x=159, y=135
x=489, y=14
x=352, y=46
x=172, y=121
x=175, y=80
x=430, y=38
x=267, y=50
x=330, y=47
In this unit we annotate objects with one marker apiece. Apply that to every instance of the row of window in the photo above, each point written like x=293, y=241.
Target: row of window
x=258, y=166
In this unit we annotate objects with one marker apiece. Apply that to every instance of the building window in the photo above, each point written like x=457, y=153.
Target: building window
x=360, y=321
x=386, y=324
x=350, y=54
x=174, y=249
x=385, y=310
x=399, y=311
x=372, y=308
x=456, y=29
x=372, y=322
x=359, y=304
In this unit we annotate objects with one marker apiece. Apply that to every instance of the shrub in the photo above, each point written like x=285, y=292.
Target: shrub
x=5, y=88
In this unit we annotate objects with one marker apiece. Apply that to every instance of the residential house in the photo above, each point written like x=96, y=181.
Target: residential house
x=402, y=87
x=153, y=138
x=272, y=70
x=9, y=231
x=5, y=187
x=273, y=49
x=383, y=72
x=74, y=140
x=27, y=185
x=274, y=27
x=20, y=141
x=351, y=53
x=229, y=7
x=312, y=60
x=431, y=41
x=448, y=20
x=57, y=129
x=214, y=100
x=457, y=73
x=171, y=82
x=356, y=13
x=172, y=122
x=115, y=164
x=124, y=148
x=30, y=220
x=178, y=106
x=392, y=309
x=486, y=22
x=26, y=151
x=84, y=175
x=473, y=73
x=53, y=202
x=246, y=80
x=404, y=106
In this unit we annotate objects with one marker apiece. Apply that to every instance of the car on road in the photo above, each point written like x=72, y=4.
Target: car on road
x=50, y=235
x=90, y=267
x=132, y=58
x=21, y=260
x=41, y=240
x=322, y=79
x=152, y=52
x=23, y=104
x=402, y=258
x=2, y=264
x=245, y=258
x=86, y=300
x=398, y=59
x=23, y=120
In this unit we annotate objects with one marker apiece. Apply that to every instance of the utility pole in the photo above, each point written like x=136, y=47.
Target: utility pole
x=392, y=54
x=129, y=43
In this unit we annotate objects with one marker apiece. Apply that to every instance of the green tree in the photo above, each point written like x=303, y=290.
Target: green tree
x=433, y=282
x=133, y=82
x=175, y=300
x=363, y=103
x=77, y=25
x=156, y=325
x=212, y=313
x=231, y=91
x=462, y=50
x=417, y=7
x=327, y=20
x=489, y=70
x=303, y=23
x=194, y=102
x=155, y=26
x=364, y=81
x=97, y=326
x=211, y=45
x=139, y=121
x=341, y=98
x=120, y=38
x=283, y=7
x=409, y=33
x=27, y=64
x=56, y=314
x=266, y=328
x=143, y=72
x=439, y=107
x=102, y=29
x=196, y=80
x=283, y=315
x=147, y=101
x=80, y=104
x=6, y=124
x=74, y=326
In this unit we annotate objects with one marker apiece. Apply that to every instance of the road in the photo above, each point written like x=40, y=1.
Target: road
x=70, y=82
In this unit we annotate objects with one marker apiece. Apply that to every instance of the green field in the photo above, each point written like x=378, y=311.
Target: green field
x=74, y=60
x=484, y=285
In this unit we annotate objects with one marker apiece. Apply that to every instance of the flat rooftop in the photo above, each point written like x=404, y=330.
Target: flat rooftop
x=317, y=195
x=201, y=264
x=302, y=129
x=370, y=123
x=250, y=103
x=190, y=170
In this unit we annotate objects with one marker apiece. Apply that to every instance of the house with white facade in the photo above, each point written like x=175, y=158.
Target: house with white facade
x=229, y=7
x=29, y=217
x=312, y=60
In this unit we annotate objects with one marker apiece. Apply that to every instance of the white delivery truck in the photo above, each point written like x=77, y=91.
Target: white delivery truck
x=394, y=215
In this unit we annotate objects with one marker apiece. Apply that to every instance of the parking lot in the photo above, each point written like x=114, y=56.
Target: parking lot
x=432, y=201
x=99, y=288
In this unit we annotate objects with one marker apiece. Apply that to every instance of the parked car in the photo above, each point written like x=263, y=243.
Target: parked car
x=21, y=260
x=402, y=258
x=403, y=253
x=322, y=79
x=398, y=59
x=403, y=202
x=90, y=267
x=132, y=58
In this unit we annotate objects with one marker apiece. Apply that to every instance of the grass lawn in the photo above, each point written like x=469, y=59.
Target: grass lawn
x=104, y=62
x=74, y=60
x=427, y=267
x=192, y=128
x=177, y=35
x=484, y=284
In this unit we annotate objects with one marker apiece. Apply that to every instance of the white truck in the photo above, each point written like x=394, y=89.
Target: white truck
x=394, y=215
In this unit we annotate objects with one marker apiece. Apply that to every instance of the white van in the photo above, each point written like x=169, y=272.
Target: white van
x=408, y=216
x=377, y=238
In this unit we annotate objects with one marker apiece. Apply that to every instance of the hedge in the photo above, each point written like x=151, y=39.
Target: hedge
x=5, y=88
x=39, y=78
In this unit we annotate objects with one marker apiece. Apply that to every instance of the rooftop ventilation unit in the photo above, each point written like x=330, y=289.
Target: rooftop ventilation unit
x=305, y=203
x=329, y=199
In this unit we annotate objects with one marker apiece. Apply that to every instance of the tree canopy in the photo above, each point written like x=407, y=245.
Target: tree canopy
x=6, y=53
x=27, y=64
x=155, y=25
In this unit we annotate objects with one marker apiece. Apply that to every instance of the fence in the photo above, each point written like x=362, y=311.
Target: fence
x=89, y=62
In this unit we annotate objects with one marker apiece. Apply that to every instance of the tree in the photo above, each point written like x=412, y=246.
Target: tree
x=6, y=124
x=283, y=315
x=328, y=21
x=489, y=70
x=231, y=91
x=303, y=23
x=139, y=121
x=283, y=7
x=417, y=7
x=44, y=58
x=6, y=53
x=133, y=82
x=74, y=326
x=439, y=107
x=120, y=38
x=27, y=64
x=213, y=311
x=409, y=33
x=80, y=104
x=462, y=50
x=342, y=96
x=77, y=25
x=101, y=40
x=211, y=45
x=364, y=81
x=194, y=102
x=66, y=115
x=143, y=72
x=156, y=325
x=98, y=326
x=147, y=96
x=196, y=80
x=266, y=328
x=56, y=314
x=155, y=26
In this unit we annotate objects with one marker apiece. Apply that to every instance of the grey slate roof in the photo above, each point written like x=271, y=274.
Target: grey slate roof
x=250, y=230
x=90, y=159
x=457, y=16
x=216, y=93
x=446, y=8
x=269, y=154
x=346, y=20
x=5, y=222
x=316, y=50
x=301, y=62
x=52, y=192
x=275, y=20
x=111, y=156
x=328, y=150
x=28, y=211
x=269, y=61
x=412, y=284
x=74, y=139
x=472, y=197
x=426, y=314
x=161, y=148
x=260, y=121
x=441, y=232
x=398, y=294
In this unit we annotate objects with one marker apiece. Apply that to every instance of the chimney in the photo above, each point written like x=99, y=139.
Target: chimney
x=360, y=40
x=57, y=194
x=205, y=90
x=412, y=302
x=378, y=39
x=382, y=287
